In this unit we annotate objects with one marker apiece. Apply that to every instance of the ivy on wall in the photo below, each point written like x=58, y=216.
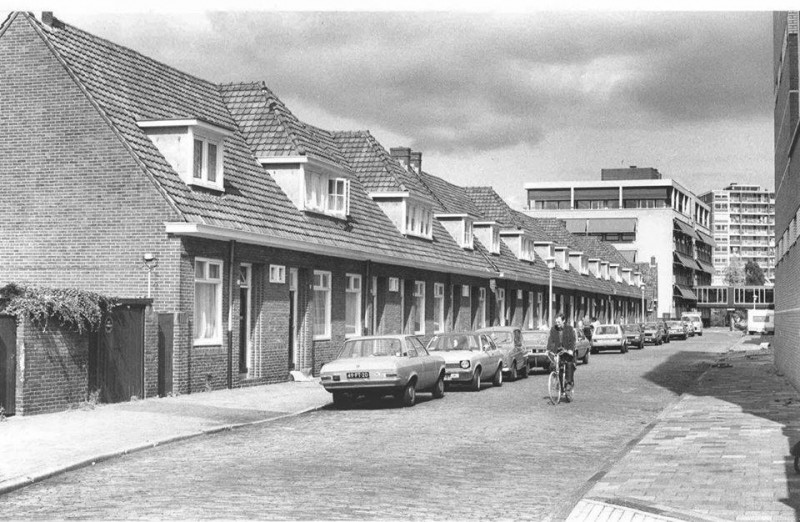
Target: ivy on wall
x=70, y=308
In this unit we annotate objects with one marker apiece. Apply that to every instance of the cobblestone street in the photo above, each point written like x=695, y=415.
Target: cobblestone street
x=498, y=453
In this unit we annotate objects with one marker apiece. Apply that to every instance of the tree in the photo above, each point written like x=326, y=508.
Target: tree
x=754, y=275
x=734, y=272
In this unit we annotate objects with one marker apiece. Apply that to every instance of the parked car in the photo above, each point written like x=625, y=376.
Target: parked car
x=635, y=334
x=676, y=330
x=654, y=333
x=609, y=336
x=534, y=342
x=375, y=366
x=469, y=358
x=509, y=340
x=696, y=321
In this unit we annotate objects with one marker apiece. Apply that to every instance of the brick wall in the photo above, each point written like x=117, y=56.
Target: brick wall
x=52, y=368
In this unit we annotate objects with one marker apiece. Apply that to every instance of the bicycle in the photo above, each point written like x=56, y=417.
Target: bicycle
x=555, y=383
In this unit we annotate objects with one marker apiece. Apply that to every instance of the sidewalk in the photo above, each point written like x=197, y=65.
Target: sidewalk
x=39, y=446
x=720, y=453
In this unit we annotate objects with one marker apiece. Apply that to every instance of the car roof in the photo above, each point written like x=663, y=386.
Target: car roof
x=390, y=336
x=448, y=334
x=498, y=329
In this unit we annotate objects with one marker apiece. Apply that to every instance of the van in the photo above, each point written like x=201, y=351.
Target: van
x=761, y=321
x=695, y=319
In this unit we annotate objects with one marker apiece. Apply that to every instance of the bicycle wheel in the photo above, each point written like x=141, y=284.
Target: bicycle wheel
x=554, y=388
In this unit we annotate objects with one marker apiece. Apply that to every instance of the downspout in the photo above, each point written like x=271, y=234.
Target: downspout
x=231, y=275
x=368, y=298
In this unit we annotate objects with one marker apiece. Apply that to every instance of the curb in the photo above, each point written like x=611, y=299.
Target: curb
x=21, y=482
x=630, y=444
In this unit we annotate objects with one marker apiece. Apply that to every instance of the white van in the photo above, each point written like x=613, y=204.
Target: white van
x=761, y=321
x=695, y=319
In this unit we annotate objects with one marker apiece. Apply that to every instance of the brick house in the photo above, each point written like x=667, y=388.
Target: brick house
x=274, y=239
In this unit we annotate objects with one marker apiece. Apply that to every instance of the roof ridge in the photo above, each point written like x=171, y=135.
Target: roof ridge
x=384, y=157
x=40, y=31
x=7, y=22
x=128, y=49
x=275, y=105
x=432, y=192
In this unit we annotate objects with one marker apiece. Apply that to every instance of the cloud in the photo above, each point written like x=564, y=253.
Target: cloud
x=477, y=81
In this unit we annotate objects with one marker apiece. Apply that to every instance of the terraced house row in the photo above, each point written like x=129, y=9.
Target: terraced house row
x=243, y=242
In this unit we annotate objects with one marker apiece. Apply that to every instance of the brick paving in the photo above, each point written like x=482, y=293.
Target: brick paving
x=720, y=453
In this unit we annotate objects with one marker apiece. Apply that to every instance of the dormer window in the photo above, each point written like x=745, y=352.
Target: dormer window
x=561, y=258
x=604, y=272
x=544, y=249
x=488, y=233
x=594, y=268
x=418, y=220
x=466, y=240
x=459, y=226
x=193, y=148
x=518, y=242
x=528, y=253
x=327, y=195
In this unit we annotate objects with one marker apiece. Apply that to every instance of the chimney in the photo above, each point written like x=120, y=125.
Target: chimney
x=652, y=260
x=401, y=154
x=51, y=21
x=416, y=161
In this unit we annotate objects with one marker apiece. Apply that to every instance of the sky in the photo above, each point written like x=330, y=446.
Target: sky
x=499, y=98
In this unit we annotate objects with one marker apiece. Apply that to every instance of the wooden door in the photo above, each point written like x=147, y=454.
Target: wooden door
x=120, y=354
x=8, y=364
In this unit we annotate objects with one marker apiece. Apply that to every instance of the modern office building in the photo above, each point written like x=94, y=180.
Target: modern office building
x=644, y=216
x=743, y=222
x=787, y=195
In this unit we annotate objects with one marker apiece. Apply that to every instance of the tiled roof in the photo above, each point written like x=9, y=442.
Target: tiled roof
x=128, y=87
x=378, y=170
x=452, y=198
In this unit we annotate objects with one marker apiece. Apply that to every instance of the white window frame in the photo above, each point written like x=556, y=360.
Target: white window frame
x=206, y=279
x=438, y=307
x=482, y=306
x=501, y=305
x=467, y=238
x=277, y=273
x=326, y=335
x=417, y=220
x=495, y=240
x=351, y=287
x=317, y=195
x=419, y=305
x=464, y=290
x=394, y=284
x=206, y=140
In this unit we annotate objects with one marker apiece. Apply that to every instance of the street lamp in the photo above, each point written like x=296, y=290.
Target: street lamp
x=551, y=264
x=642, y=288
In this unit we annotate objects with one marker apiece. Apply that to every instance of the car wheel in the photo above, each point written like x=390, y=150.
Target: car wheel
x=585, y=359
x=513, y=374
x=593, y=350
x=623, y=348
x=497, y=380
x=438, y=388
x=475, y=385
x=523, y=372
x=641, y=345
x=408, y=396
x=341, y=400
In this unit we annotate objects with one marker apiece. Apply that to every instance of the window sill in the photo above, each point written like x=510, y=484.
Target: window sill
x=204, y=184
x=321, y=212
x=321, y=338
x=350, y=336
x=207, y=342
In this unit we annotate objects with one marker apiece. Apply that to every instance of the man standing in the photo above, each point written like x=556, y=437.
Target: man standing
x=562, y=337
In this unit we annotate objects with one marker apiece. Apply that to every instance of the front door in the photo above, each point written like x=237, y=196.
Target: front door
x=120, y=354
x=165, y=343
x=293, y=360
x=8, y=364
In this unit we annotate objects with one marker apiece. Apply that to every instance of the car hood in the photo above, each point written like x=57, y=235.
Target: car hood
x=362, y=363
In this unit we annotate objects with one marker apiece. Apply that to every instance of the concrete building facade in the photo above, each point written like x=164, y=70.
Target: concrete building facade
x=743, y=223
x=645, y=217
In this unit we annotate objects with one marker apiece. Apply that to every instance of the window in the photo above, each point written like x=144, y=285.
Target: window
x=466, y=240
x=482, y=307
x=495, y=240
x=519, y=295
x=277, y=274
x=418, y=220
x=501, y=306
x=419, y=307
x=438, y=307
x=394, y=284
x=352, y=306
x=322, y=305
x=327, y=195
x=464, y=290
x=207, y=301
x=526, y=249
x=206, y=164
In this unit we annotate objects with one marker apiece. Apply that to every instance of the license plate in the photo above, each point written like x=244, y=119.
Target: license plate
x=358, y=375
x=451, y=376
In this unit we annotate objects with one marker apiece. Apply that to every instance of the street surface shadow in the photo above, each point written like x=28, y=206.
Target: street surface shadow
x=224, y=415
x=382, y=403
x=746, y=378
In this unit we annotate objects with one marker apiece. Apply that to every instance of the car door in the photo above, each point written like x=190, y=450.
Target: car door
x=425, y=364
x=494, y=355
x=519, y=353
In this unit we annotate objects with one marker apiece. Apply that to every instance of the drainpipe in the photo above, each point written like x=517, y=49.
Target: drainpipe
x=231, y=282
x=368, y=298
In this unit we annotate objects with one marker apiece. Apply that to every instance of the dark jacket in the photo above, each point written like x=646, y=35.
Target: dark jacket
x=568, y=341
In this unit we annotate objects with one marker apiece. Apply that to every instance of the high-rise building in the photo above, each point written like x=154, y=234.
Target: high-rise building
x=787, y=195
x=644, y=216
x=743, y=222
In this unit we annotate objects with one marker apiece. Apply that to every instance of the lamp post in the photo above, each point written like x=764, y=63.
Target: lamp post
x=551, y=264
x=150, y=262
x=642, y=288
x=755, y=298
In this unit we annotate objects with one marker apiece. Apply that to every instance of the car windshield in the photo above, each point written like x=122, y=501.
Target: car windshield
x=501, y=337
x=531, y=336
x=631, y=328
x=446, y=343
x=606, y=330
x=673, y=323
x=371, y=348
x=650, y=326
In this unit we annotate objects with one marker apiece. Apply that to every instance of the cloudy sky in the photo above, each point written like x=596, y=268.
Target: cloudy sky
x=501, y=98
